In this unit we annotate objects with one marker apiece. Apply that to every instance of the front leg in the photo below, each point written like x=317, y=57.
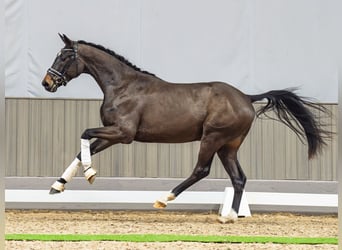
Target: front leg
x=72, y=169
x=85, y=155
x=107, y=136
x=89, y=172
x=69, y=173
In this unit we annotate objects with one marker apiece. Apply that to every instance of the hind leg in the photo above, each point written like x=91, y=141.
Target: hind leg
x=228, y=157
x=202, y=169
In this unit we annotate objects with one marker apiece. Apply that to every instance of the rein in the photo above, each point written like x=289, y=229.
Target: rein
x=59, y=76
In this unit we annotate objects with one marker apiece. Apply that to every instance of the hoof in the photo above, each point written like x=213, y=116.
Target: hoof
x=231, y=218
x=227, y=219
x=159, y=205
x=57, y=188
x=162, y=202
x=90, y=175
x=92, y=179
x=54, y=191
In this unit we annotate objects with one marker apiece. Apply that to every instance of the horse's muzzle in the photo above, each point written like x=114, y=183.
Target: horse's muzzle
x=49, y=84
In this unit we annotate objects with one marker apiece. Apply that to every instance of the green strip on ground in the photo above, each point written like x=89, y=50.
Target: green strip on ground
x=172, y=238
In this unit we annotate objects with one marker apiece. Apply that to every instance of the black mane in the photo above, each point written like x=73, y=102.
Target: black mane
x=117, y=56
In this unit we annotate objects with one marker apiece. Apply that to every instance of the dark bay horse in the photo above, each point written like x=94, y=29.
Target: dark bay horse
x=139, y=106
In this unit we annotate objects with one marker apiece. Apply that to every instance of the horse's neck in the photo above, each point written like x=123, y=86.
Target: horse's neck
x=107, y=71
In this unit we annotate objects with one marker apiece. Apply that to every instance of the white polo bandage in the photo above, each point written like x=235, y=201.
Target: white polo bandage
x=85, y=153
x=71, y=171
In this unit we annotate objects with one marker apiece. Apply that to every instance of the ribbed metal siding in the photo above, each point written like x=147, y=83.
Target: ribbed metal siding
x=43, y=138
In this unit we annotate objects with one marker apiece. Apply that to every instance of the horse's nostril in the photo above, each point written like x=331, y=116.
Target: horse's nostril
x=46, y=85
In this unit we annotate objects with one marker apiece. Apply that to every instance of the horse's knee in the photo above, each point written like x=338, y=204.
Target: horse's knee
x=86, y=135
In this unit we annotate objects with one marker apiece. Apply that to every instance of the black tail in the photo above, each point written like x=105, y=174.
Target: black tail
x=295, y=113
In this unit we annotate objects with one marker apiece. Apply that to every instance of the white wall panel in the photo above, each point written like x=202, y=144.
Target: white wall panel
x=255, y=45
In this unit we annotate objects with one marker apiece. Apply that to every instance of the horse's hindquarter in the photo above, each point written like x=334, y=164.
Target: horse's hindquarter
x=229, y=109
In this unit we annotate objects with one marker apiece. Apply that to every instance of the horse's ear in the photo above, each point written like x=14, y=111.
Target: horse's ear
x=66, y=40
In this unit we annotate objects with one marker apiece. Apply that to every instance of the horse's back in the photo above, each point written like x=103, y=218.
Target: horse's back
x=173, y=113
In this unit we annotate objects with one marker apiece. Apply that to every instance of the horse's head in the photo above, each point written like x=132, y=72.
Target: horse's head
x=66, y=66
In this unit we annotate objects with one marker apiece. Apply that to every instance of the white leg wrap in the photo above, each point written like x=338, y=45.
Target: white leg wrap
x=85, y=153
x=89, y=172
x=230, y=218
x=71, y=171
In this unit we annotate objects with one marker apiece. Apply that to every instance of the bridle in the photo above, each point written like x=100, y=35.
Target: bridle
x=59, y=77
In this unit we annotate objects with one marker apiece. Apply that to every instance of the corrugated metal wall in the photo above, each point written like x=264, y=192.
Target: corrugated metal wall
x=43, y=138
